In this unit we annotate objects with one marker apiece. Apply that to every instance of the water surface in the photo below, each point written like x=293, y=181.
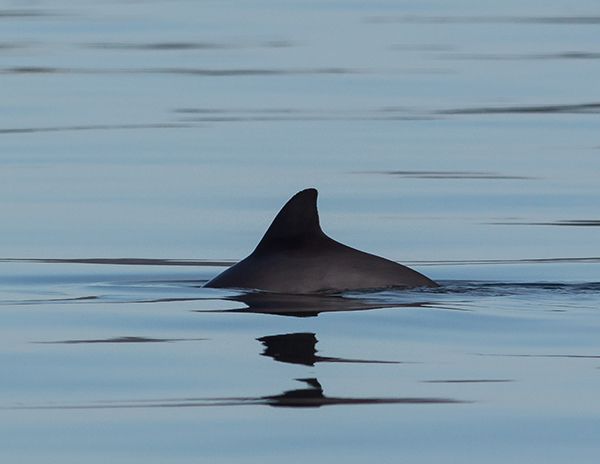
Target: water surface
x=145, y=146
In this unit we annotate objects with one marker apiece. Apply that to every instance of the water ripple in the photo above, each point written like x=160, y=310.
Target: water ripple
x=183, y=46
x=129, y=339
x=92, y=127
x=312, y=396
x=585, y=108
x=528, y=20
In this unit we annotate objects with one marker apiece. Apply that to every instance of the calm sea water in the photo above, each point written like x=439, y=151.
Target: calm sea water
x=146, y=145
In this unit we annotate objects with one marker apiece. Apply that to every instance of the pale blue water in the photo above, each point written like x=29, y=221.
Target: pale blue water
x=461, y=139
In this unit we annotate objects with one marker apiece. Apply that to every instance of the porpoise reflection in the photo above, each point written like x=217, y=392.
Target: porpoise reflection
x=295, y=256
x=314, y=397
x=281, y=304
x=311, y=396
x=300, y=348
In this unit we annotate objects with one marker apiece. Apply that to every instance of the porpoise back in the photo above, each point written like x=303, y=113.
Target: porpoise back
x=296, y=256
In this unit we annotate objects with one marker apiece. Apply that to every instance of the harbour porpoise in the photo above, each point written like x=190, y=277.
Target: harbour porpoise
x=295, y=256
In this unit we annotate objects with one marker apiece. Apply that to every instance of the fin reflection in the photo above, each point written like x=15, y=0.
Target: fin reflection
x=308, y=305
x=300, y=348
x=312, y=396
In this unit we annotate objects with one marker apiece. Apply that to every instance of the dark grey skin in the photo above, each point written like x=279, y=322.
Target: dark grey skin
x=295, y=256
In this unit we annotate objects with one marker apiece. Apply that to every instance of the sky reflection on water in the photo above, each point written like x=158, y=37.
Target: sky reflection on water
x=146, y=145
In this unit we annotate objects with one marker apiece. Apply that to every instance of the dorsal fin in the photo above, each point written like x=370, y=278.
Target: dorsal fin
x=296, y=224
